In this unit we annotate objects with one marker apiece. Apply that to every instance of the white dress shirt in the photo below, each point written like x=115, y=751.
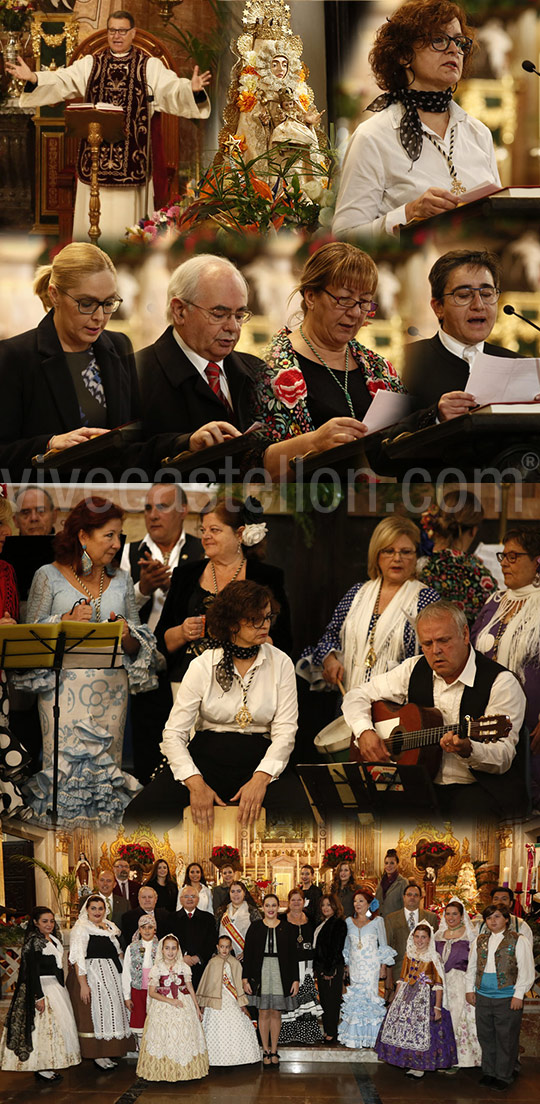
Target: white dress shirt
x=524, y=960
x=464, y=352
x=201, y=365
x=378, y=177
x=159, y=595
x=414, y=914
x=506, y=698
x=200, y=701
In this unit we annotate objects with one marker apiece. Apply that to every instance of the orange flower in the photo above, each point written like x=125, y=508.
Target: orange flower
x=304, y=101
x=260, y=187
x=250, y=69
x=246, y=101
x=277, y=223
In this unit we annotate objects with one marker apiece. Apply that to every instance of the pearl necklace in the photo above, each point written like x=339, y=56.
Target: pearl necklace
x=345, y=388
x=96, y=601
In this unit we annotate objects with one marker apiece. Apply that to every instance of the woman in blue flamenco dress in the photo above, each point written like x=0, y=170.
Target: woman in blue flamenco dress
x=367, y=954
x=417, y=1031
x=82, y=585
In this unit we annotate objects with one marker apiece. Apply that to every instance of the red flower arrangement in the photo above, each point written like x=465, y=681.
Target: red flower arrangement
x=432, y=853
x=225, y=856
x=136, y=852
x=337, y=854
x=263, y=883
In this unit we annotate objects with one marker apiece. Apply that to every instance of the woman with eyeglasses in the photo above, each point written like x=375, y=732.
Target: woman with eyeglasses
x=419, y=152
x=232, y=536
x=508, y=628
x=319, y=380
x=372, y=627
x=66, y=381
x=449, y=528
x=240, y=697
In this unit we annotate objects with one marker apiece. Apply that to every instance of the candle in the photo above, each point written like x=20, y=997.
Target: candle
x=255, y=878
x=297, y=866
x=266, y=864
x=520, y=877
x=506, y=876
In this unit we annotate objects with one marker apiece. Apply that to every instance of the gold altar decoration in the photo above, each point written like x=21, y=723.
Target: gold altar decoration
x=407, y=844
x=270, y=105
x=510, y=330
x=494, y=102
x=68, y=37
x=505, y=837
x=165, y=9
x=143, y=835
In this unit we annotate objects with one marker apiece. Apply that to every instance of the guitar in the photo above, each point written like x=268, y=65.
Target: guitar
x=413, y=733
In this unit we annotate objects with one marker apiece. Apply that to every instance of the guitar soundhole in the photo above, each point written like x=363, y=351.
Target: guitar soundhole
x=396, y=742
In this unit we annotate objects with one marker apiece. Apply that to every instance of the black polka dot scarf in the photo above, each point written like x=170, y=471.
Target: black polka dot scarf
x=410, y=128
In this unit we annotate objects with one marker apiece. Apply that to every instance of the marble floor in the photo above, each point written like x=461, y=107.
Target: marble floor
x=298, y=1081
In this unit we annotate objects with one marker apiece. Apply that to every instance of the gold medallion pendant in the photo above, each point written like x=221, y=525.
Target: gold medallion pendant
x=371, y=658
x=243, y=717
x=457, y=187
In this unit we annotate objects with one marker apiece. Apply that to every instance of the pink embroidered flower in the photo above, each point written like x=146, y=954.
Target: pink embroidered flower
x=290, y=386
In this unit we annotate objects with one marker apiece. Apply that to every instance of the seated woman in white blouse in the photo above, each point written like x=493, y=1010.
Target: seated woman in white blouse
x=420, y=151
x=240, y=695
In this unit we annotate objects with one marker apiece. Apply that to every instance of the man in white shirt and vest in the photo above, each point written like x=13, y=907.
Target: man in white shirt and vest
x=459, y=682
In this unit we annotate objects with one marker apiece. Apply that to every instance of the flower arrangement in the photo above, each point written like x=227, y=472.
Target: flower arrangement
x=337, y=854
x=237, y=196
x=15, y=14
x=432, y=853
x=13, y=931
x=263, y=883
x=225, y=856
x=136, y=852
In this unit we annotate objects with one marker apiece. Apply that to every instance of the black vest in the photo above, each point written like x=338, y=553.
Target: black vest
x=191, y=550
x=508, y=790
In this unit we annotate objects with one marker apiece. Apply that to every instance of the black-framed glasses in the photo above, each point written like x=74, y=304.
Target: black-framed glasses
x=465, y=294
x=221, y=314
x=260, y=622
x=346, y=302
x=120, y=33
x=442, y=41
x=510, y=556
x=90, y=306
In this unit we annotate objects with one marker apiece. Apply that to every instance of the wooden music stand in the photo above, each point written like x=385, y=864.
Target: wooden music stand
x=96, y=126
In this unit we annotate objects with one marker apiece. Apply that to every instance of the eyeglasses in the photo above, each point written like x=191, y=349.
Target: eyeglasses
x=260, y=622
x=90, y=306
x=510, y=556
x=346, y=302
x=441, y=42
x=465, y=294
x=403, y=553
x=220, y=314
x=120, y=34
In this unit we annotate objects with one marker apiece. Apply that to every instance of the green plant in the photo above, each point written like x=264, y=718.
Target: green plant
x=207, y=52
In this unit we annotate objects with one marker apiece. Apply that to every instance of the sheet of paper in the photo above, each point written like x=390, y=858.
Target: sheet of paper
x=387, y=408
x=501, y=379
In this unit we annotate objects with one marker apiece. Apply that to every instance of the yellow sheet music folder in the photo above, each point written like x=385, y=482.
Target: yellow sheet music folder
x=35, y=645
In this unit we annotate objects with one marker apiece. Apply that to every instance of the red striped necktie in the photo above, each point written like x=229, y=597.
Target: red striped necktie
x=212, y=374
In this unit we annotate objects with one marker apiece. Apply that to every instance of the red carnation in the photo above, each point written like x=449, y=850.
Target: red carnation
x=290, y=386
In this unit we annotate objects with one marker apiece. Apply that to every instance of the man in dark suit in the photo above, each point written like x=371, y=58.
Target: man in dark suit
x=465, y=288
x=150, y=563
x=116, y=905
x=193, y=383
x=400, y=924
x=123, y=886
x=147, y=903
x=196, y=931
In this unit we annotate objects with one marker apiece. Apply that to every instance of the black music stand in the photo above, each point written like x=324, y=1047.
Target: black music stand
x=53, y=647
x=351, y=787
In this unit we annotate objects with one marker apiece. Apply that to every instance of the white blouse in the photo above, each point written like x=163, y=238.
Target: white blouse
x=378, y=177
x=201, y=702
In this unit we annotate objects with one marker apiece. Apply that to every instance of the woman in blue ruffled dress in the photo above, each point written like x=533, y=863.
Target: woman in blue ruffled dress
x=81, y=585
x=367, y=954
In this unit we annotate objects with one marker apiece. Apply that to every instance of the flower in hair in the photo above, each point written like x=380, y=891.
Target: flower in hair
x=254, y=534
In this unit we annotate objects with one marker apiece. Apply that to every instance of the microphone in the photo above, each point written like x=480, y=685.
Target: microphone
x=509, y=309
x=530, y=67
x=413, y=331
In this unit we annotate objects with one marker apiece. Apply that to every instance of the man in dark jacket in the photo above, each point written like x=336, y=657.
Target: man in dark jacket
x=196, y=931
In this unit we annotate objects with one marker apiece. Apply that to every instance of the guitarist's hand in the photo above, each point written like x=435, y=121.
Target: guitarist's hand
x=454, y=745
x=372, y=749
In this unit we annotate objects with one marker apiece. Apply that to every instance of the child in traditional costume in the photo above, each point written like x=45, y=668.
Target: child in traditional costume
x=417, y=1032
x=173, y=1046
x=138, y=961
x=500, y=971
x=230, y=1035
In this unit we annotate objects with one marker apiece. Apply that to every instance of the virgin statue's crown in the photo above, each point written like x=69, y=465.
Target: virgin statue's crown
x=267, y=18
